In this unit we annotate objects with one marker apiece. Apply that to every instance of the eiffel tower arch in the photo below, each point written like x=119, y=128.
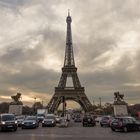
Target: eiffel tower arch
x=69, y=70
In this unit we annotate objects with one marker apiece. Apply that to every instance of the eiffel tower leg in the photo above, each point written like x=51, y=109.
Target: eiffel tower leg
x=54, y=104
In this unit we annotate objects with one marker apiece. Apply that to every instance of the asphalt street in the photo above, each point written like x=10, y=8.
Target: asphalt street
x=74, y=132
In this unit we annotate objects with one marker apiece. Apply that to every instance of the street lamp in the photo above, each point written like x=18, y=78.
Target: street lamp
x=64, y=106
x=100, y=102
x=34, y=105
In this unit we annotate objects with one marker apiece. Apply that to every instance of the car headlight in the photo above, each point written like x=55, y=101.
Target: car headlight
x=22, y=122
x=34, y=123
x=16, y=122
x=52, y=121
x=42, y=121
x=2, y=122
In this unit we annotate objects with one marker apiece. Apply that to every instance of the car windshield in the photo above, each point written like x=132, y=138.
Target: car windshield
x=87, y=117
x=30, y=118
x=50, y=117
x=8, y=118
x=117, y=120
x=105, y=118
x=134, y=119
x=40, y=115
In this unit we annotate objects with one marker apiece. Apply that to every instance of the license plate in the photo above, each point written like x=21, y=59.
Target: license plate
x=28, y=124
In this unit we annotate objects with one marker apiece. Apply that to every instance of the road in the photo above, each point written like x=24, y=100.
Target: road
x=74, y=132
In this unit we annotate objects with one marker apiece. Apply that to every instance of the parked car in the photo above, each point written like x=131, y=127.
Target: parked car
x=8, y=122
x=125, y=124
x=88, y=121
x=63, y=122
x=30, y=122
x=98, y=119
x=40, y=117
x=20, y=119
x=57, y=118
x=105, y=121
x=49, y=120
x=78, y=119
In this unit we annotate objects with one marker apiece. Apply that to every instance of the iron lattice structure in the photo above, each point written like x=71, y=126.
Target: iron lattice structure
x=76, y=92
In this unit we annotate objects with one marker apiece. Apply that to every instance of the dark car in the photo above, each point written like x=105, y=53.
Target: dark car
x=49, y=120
x=30, y=122
x=125, y=124
x=40, y=117
x=88, y=121
x=78, y=119
x=8, y=122
x=20, y=119
x=105, y=121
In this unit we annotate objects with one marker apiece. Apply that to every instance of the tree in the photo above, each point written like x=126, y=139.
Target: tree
x=37, y=105
x=108, y=108
x=134, y=109
x=4, y=107
x=26, y=110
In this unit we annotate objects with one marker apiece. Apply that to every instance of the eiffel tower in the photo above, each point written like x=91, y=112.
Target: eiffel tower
x=76, y=92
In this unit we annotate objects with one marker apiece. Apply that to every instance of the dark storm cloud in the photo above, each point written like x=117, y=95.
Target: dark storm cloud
x=105, y=40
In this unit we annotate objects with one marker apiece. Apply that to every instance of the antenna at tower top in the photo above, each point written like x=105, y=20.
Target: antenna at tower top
x=68, y=12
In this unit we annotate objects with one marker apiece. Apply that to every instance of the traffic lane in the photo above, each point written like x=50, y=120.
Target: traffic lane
x=75, y=132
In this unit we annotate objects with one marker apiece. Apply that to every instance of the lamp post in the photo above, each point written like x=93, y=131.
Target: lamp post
x=64, y=106
x=34, y=105
x=100, y=102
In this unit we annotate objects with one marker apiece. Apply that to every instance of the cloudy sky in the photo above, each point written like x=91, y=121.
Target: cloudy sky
x=106, y=40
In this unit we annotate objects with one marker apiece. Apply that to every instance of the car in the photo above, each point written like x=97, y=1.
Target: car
x=68, y=117
x=98, y=119
x=8, y=122
x=40, y=117
x=78, y=119
x=49, y=120
x=30, y=122
x=20, y=119
x=88, y=121
x=105, y=121
x=57, y=118
x=63, y=122
x=125, y=124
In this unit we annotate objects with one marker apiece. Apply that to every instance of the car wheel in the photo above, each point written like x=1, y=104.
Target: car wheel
x=125, y=129
x=138, y=128
x=15, y=129
x=112, y=129
x=101, y=125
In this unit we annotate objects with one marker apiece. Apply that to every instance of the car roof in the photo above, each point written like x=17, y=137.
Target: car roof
x=50, y=115
x=122, y=117
x=3, y=114
x=31, y=117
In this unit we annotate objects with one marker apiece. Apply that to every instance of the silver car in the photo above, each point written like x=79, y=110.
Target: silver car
x=49, y=120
